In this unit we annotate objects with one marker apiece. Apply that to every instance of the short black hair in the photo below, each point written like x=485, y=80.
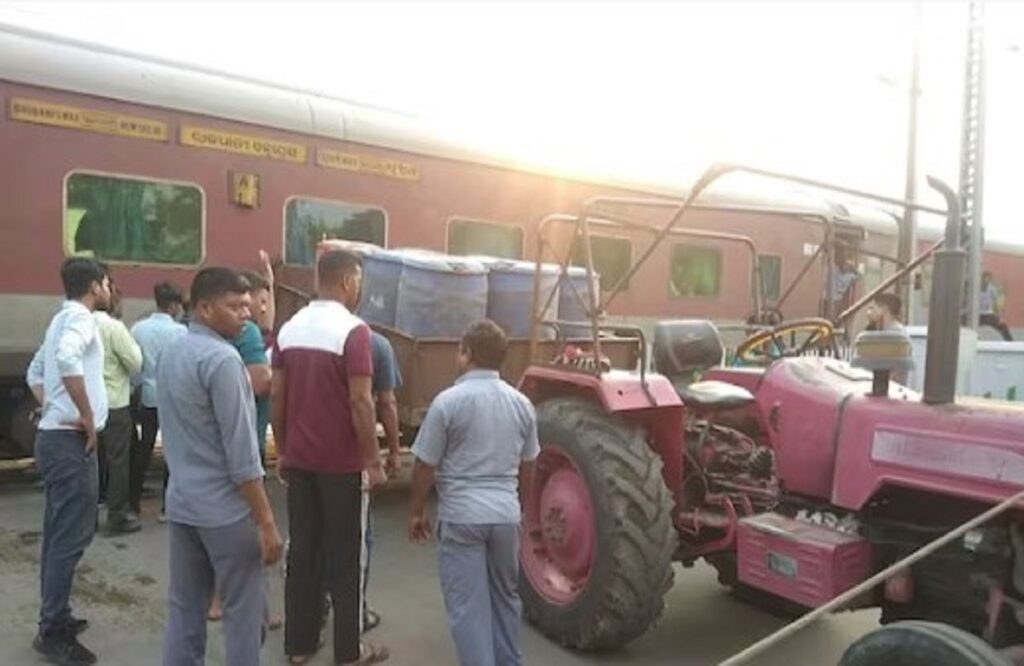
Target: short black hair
x=166, y=294
x=890, y=302
x=486, y=344
x=334, y=266
x=78, y=274
x=215, y=281
x=256, y=281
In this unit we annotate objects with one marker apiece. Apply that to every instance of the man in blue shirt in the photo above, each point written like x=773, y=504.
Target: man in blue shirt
x=221, y=528
x=249, y=344
x=479, y=442
x=153, y=334
x=387, y=377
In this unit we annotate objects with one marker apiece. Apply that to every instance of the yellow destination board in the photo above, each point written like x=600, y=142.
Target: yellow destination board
x=242, y=144
x=334, y=159
x=90, y=120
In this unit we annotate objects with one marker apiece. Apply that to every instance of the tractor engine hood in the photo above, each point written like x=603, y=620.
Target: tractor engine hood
x=835, y=442
x=801, y=402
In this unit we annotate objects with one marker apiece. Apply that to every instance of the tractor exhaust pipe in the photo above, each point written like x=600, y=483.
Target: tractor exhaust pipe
x=944, y=309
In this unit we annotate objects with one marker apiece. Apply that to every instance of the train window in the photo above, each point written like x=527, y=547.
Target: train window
x=695, y=271
x=133, y=220
x=612, y=259
x=486, y=238
x=771, y=275
x=308, y=221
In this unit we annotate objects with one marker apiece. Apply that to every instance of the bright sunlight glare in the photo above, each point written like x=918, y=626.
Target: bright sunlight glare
x=643, y=91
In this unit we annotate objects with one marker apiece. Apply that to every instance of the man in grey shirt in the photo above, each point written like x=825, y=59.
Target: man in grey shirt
x=479, y=442
x=221, y=526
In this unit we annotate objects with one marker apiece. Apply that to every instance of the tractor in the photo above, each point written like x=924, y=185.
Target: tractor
x=796, y=480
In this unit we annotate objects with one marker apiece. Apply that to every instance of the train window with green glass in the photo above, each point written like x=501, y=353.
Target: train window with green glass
x=771, y=275
x=467, y=237
x=308, y=221
x=612, y=259
x=125, y=219
x=695, y=271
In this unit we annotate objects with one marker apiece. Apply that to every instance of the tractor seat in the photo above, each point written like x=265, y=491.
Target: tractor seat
x=713, y=396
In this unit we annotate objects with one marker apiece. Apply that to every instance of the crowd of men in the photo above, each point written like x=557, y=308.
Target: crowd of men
x=210, y=377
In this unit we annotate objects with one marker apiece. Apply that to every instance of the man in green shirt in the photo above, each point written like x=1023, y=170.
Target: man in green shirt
x=253, y=350
x=122, y=358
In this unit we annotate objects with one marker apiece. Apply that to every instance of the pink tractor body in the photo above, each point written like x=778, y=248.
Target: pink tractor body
x=796, y=481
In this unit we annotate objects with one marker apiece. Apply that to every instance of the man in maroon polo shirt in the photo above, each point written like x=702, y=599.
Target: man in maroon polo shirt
x=324, y=428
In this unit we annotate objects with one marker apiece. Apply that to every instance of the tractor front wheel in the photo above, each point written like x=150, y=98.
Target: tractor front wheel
x=917, y=643
x=598, y=538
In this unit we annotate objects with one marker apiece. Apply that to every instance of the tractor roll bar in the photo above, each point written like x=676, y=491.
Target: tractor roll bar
x=608, y=219
x=713, y=173
x=618, y=222
x=888, y=282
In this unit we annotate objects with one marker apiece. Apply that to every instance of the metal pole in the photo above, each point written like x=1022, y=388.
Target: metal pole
x=972, y=155
x=942, y=355
x=908, y=230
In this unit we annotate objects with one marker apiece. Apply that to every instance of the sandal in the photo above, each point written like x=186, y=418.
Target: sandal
x=371, y=654
x=371, y=620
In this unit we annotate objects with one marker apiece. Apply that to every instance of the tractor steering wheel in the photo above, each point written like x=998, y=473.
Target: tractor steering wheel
x=803, y=335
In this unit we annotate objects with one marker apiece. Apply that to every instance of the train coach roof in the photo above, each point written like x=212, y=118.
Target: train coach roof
x=40, y=59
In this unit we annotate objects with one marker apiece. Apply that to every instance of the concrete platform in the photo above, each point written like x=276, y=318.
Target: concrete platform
x=122, y=583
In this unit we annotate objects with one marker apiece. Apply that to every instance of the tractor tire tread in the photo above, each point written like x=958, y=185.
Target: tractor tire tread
x=643, y=539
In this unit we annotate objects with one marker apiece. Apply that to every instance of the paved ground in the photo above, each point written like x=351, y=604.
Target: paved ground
x=122, y=583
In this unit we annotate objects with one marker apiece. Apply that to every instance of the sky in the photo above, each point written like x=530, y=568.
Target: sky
x=644, y=90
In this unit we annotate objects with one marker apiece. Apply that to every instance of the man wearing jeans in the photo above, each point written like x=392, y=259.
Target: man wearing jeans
x=479, y=440
x=66, y=376
x=221, y=528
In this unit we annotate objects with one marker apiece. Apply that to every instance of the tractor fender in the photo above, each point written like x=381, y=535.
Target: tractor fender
x=615, y=391
x=651, y=403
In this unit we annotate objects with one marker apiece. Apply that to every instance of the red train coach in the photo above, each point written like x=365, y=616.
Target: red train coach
x=159, y=168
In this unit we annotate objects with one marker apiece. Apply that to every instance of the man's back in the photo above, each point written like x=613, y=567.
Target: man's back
x=319, y=349
x=71, y=347
x=207, y=417
x=387, y=376
x=476, y=434
x=122, y=358
x=153, y=334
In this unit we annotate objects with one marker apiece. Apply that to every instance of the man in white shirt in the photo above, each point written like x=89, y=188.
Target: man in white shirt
x=66, y=376
x=988, y=307
x=884, y=315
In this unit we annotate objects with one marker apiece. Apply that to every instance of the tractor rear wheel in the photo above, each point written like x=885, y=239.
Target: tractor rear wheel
x=598, y=538
x=917, y=643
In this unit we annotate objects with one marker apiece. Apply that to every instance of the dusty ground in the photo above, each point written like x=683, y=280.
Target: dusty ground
x=121, y=584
